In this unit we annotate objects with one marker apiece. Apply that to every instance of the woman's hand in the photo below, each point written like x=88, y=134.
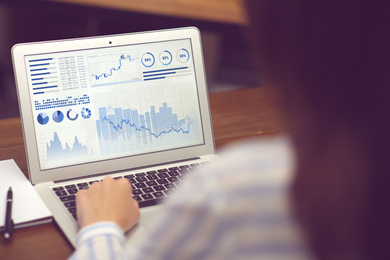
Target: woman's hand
x=109, y=200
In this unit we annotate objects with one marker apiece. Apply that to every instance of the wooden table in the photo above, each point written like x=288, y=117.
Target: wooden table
x=236, y=115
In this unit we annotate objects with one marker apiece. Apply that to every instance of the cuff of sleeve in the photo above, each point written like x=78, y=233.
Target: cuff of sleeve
x=99, y=229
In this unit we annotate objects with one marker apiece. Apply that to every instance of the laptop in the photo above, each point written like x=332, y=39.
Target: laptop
x=131, y=106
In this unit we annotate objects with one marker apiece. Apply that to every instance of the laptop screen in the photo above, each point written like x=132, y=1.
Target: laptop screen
x=97, y=104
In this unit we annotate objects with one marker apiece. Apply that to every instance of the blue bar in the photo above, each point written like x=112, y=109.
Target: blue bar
x=153, y=115
x=104, y=122
x=153, y=71
x=142, y=123
x=119, y=118
x=175, y=124
x=134, y=119
x=154, y=78
x=40, y=59
x=39, y=69
x=163, y=123
x=45, y=87
x=166, y=73
x=160, y=127
x=182, y=121
x=148, y=125
x=99, y=130
x=39, y=93
x=169, y=118
x=39, y=83
x=113, y=132
x=129, y=129
x=37, y=79
x=164, y=117
x=147, y=119
x=42, y=64
x=40, y=74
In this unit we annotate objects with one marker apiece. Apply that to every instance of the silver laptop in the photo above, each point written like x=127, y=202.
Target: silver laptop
x=130, y=106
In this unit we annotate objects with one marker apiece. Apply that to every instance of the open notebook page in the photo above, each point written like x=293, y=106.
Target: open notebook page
x=27, y=209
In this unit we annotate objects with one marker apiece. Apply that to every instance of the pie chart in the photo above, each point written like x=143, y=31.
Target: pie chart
x=85, y=113
x=58, y=116
x=43, y=118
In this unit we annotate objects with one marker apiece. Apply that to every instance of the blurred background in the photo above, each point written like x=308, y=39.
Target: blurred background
x=222, y=24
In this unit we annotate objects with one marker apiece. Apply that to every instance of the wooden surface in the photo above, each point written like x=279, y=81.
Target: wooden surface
x=225, y=11
x=236, y=115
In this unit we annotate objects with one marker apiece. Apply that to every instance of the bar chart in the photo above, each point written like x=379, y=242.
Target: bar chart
x=124, y=130
x=43, y=75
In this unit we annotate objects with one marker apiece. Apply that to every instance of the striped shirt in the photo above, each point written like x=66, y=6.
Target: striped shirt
x=235, y=208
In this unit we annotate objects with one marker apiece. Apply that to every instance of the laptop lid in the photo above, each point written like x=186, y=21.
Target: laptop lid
x=103, y=104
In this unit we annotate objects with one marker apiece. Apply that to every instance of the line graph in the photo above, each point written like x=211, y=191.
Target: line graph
x=126, y=129
x=114, y=68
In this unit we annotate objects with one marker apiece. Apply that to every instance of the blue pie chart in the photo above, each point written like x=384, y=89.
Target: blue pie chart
x=58, y=116
x=43, y=118
x=85, y=113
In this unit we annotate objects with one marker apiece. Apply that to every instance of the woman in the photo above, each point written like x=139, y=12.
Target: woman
x=330, y=61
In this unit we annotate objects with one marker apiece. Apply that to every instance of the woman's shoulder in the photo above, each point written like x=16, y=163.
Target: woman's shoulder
x=247, y=169
x=267, y=158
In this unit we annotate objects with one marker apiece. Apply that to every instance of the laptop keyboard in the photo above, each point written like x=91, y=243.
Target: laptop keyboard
x=149, y=187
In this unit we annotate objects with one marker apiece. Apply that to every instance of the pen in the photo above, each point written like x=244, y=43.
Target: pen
x=9, y=224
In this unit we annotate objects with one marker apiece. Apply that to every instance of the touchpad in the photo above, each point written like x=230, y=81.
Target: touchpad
x=142, y=229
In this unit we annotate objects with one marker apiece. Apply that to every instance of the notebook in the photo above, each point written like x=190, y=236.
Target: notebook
x=131, y=105
x=27, y=208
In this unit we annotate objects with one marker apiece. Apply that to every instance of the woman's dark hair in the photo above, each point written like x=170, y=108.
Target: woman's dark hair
x=330, y=60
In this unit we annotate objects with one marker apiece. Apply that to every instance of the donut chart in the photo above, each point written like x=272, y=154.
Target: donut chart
x=86, y=113
x=70, y=117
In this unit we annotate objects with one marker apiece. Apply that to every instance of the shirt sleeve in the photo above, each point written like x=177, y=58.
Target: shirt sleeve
x=102, y=240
